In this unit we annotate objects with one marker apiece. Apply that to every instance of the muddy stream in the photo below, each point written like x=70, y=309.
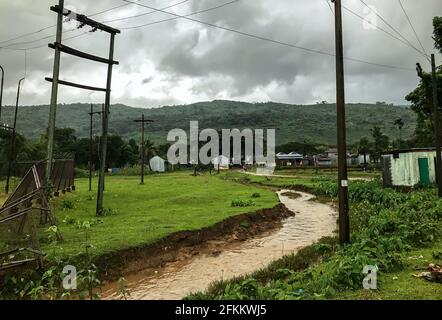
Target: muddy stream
x=312, y=221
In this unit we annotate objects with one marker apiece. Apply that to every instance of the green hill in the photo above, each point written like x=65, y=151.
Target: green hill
x=314, y=123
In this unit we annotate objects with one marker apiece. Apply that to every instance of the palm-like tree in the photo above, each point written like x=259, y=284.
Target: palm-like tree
x=364, y=147
x=399, y=123
x=150, y=150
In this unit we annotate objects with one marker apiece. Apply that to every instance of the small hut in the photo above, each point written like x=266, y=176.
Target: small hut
x=409, y=167
x=157, y=164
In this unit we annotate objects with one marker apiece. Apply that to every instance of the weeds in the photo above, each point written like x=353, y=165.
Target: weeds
x=385, y=225
x=242, y=203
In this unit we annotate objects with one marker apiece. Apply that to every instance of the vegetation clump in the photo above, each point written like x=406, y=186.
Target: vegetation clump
x=386, y=225
x=242, y=203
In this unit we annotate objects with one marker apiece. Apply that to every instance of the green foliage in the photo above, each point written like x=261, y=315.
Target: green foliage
x=82, y=224
x=81, y=173
x=242, y=203
x=437, y=34
x=380, y=142
x=385, y=225
x=312, y=122
x=67, y=204
x=422, y=97
x=122, y=289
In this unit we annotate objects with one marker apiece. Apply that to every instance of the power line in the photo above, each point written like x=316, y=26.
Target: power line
x=128, y=17
x=71, y=30
x=329, y=5
x=146, y=13
x=27, y=34
x=186, y=17
x=412, y=27
x=388, y=24
x=381, y=29
x=53, y=26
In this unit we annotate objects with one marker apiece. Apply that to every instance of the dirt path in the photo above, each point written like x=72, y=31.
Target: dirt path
x=176, y=280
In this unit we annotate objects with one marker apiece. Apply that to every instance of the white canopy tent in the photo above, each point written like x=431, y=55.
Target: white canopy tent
x=222, y=161
x=157, y=164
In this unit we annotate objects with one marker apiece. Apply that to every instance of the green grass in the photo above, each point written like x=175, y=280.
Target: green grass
x=143, y=214
x=2, y=198
x=402, y=285
x=395, y=231
x=308, y=181
x=329, y=173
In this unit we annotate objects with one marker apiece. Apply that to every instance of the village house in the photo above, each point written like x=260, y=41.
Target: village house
x=290, y=159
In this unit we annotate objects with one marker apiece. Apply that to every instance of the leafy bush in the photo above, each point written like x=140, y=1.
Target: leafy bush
x=81, y=173
x=242, y=203
x=385, y=225
x=67, y=204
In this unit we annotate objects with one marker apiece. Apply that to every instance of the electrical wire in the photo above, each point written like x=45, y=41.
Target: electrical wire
x=144, y=14
x=412, y=27
x=381, y=29
x=186, y=17
x=53, y=26
x=71, y=30
x=389, y=25
x=175, y=18
x=329, y=5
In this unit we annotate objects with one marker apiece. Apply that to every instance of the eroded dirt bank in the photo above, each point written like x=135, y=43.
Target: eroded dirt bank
x=223, y=258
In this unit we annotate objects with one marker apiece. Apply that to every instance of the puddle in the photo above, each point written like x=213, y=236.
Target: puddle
x=313, y=221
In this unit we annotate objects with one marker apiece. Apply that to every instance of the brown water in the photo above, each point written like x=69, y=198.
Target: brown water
x=313, y=221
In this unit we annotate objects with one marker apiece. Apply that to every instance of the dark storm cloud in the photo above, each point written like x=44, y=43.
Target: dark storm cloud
x=182, y=61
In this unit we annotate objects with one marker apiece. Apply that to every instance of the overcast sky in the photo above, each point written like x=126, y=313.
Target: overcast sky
x=182, y=61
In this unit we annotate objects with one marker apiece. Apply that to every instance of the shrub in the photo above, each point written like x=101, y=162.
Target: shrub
x=385, y=225
x=242, y=203
x=67, y=204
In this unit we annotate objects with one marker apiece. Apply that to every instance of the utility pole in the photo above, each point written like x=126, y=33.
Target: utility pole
x=344, y=221
x=143, y=121
x=12, y=155
x=54, y=96
x=59, y=47
x=105, y=128
x=91, y=145
x=1, y=91
x=437, y=126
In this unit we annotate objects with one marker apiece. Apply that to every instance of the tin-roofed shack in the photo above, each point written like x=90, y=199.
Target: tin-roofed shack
x=409, y=167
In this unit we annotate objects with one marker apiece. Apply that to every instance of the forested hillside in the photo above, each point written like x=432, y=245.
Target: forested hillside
x=314, y=123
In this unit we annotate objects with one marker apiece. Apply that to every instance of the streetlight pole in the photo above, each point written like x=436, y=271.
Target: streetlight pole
x=1, y=91
x=344, y=223
x=12, y=155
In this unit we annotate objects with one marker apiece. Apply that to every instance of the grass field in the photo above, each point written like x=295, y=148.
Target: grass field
x=142, y=214
x=398, y=232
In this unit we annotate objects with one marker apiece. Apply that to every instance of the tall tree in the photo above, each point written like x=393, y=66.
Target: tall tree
x=364, y=148
x=381, y=142
x=399, y=123
x=422, y=97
